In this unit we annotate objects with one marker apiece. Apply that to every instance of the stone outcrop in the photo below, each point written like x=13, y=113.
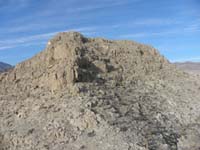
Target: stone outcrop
x=71, y=58
x=93, y=93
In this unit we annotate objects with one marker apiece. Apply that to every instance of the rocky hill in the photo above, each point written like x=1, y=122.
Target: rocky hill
x=97, y=94
x=4, y=66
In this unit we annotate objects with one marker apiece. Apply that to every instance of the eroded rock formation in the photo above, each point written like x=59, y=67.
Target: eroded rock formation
x=93, y=93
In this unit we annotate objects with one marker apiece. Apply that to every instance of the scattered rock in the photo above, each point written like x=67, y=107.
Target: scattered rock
x=93, y=93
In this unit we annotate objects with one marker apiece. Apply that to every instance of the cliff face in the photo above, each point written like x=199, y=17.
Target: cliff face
x=86, y=93
x=71, y=58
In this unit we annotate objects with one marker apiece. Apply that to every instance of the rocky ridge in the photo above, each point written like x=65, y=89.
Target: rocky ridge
x=93, y=93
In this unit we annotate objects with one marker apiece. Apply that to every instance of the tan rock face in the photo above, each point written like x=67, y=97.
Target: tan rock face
x=70, y=58
x=93, y=93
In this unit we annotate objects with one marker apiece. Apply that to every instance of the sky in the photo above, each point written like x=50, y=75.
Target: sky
x=171, y=26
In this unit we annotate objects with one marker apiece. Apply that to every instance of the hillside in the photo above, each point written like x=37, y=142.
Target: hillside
x=4, y=66
x=98, y=94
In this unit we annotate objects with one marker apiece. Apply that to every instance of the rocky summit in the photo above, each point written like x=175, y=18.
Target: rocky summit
x=96, y=94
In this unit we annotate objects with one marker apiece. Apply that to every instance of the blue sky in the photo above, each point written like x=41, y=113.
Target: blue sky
x=171, y=26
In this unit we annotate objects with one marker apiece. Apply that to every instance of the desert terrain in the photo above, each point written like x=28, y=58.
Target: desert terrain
x=190, y=67
x=84, y=93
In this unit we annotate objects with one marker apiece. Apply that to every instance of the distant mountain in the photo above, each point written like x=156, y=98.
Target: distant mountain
x=4, y=66
x=190, y=67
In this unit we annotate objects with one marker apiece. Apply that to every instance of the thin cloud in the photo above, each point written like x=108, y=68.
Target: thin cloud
x=27, y=39
x=186, y=30
x=193, y=27
x=14, y=5
x=28, y=27
x=41, y=38
x=150, y=22
x=102, y=5
x=53, y=10
x=5, y=47
x=146, y=34
x=156, y=21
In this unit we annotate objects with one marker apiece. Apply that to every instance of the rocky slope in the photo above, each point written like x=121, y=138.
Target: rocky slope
x=4, y=66
x=97, y=94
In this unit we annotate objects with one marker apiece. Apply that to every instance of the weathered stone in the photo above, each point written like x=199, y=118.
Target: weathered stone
x=97, y=94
